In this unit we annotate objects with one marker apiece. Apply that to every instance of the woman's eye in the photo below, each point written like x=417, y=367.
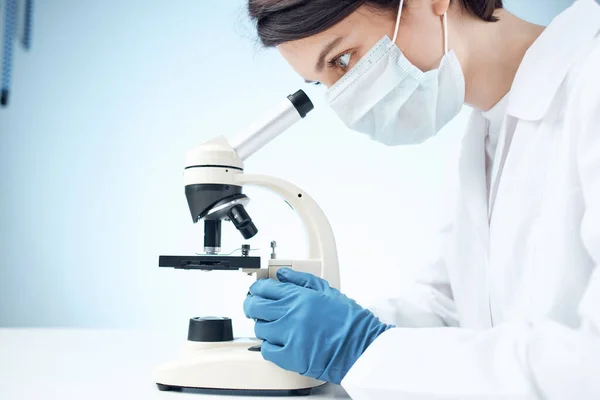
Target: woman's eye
x=316, y=83
x=342, y=62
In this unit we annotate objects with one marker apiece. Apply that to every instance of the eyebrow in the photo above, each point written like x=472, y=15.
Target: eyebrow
x=326, y=50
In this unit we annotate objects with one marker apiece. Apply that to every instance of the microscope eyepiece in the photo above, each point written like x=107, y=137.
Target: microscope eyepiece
x=301, y=102
x=272, y=124
x=242, y=221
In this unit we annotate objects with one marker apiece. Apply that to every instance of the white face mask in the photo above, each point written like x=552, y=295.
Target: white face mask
x=391, y=100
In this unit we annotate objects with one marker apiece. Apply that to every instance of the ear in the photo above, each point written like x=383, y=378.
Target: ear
x=440, y=7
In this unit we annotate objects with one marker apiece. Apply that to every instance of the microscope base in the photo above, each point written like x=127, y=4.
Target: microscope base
x=228, y=367
x=236, y=392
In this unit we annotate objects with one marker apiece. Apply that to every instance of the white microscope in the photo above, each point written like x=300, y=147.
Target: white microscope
x=212, y=359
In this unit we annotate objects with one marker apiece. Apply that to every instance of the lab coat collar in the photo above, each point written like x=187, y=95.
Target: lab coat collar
x=550, y=58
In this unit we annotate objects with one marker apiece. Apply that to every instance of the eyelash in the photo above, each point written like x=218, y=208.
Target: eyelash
x=333, y=62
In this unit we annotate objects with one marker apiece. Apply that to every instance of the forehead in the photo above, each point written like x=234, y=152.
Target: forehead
x=362, y=25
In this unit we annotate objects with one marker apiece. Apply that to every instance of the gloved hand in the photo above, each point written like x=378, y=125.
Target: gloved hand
x=308, y=327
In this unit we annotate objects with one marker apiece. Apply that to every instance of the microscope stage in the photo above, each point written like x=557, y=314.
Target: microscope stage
x=209, y=262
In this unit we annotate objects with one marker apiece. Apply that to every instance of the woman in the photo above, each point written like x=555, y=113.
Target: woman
x=511, y=307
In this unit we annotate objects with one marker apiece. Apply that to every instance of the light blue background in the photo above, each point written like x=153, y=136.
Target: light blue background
x=91, y=152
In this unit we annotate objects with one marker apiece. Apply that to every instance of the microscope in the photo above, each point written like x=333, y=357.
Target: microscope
x=211, y=358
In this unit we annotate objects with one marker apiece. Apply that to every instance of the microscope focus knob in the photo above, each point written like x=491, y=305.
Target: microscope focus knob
x=210, y=329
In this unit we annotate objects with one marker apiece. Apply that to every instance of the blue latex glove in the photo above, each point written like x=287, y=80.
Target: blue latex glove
x=308, y=327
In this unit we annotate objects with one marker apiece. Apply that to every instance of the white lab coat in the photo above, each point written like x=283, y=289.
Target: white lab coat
x=511, y=307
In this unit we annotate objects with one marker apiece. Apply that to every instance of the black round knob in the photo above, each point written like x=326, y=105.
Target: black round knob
x=245, y=250
x=210, y=329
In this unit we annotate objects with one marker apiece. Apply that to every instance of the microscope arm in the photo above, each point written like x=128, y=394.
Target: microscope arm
x=321, y=241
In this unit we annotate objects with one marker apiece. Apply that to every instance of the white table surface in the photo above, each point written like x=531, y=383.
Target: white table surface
x=96, y=364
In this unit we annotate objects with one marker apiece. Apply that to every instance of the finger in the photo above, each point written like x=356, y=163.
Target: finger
x=256, y=307
x=268, y=331
x=271, y=289
x=275, y=354
x=303, y=279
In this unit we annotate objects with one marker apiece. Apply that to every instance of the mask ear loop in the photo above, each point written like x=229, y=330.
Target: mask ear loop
x=445, y=33
x=397, y=23
x=445, y=23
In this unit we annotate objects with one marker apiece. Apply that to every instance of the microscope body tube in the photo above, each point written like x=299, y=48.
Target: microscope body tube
x=272, y=124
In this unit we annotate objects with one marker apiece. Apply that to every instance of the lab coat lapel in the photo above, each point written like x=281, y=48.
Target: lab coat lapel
x=542, y=71
x=550, y=58
x=472, y=175
x=504, y=142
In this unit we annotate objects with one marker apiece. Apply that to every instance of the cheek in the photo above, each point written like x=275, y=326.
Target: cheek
x=329, y=78
x=423, y=44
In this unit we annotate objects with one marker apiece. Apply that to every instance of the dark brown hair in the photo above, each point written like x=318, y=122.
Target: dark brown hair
x=280, y=21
